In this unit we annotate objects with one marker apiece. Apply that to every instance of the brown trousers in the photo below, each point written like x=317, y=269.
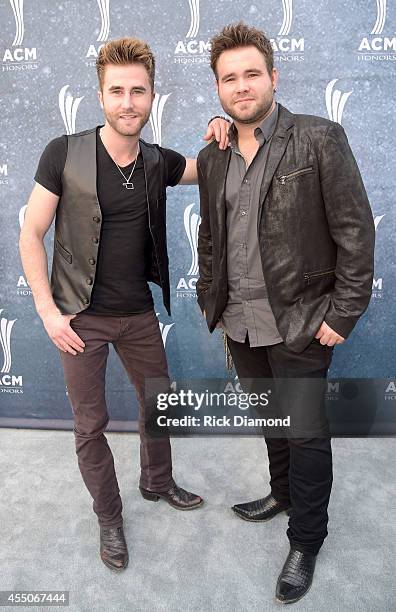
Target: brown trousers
x=138, y=342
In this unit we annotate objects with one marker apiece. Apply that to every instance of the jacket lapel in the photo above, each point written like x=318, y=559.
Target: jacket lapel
x=277, y=148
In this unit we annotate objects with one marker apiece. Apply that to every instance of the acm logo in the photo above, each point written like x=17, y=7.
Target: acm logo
x=17, y=57
x=192, y=50
x=93, y=49
x=9, y=382
x=335, y=101
x=186, y=286
x=377, y=47
x=288, y=48
x=68, y=106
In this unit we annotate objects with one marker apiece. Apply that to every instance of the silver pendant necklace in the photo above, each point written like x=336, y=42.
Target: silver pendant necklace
x=128, y=184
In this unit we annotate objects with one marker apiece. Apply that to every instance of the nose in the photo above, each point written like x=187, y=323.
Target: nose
x=242, y=85
x=127, y=100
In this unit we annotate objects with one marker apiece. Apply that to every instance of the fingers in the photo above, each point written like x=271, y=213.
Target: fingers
x=72, y=344
x=71, y=338
x=220, y=134
x=223, y=142
x=218, y=130
x=64, y=347
x=69, y=342
x=329, y=339
x=59, y=346
x=213, y=132
x=209, y=133
x=71, y=334
x=325, y=339
x=327, y=336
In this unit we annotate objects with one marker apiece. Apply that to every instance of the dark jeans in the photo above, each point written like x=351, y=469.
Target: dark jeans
x=137, y=340
x=300, y=467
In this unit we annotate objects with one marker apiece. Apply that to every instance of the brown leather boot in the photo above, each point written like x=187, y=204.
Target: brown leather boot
x=113, y=548
x=175, y=496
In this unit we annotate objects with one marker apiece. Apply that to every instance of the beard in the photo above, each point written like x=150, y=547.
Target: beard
x=122, y=127
x=255, y=111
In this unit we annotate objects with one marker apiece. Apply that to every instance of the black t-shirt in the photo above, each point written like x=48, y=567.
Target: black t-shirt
x=124, y=255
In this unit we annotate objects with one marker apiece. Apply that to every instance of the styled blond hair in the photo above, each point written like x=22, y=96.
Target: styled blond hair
x=124, y=51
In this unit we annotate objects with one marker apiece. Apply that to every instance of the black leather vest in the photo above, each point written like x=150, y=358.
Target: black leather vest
x=79, y=219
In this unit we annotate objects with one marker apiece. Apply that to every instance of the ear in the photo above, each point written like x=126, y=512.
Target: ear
x=274, y=78
x=100, y=96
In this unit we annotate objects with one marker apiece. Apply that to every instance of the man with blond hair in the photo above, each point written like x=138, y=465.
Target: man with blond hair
x=286, y=265
x=106, y=189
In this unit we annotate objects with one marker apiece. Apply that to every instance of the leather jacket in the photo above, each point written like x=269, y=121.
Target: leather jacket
x=315, y=230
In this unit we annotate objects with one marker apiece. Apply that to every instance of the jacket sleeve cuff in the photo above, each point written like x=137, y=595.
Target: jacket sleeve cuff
x=341, y=325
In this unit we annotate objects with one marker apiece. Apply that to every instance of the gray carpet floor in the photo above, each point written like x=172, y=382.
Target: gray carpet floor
x=203, y=560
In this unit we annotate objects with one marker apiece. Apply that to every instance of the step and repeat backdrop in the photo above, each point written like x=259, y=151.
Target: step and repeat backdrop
x=335, y=59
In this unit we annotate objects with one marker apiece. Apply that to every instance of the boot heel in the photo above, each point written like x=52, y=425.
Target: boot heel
x=149, y=495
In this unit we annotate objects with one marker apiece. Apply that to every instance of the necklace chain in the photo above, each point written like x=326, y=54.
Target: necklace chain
x=127, y=184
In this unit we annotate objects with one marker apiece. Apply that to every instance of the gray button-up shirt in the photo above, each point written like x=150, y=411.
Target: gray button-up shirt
x=248, y=309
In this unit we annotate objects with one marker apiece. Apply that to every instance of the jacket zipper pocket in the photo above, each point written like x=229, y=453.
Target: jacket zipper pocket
x=286, y=177
x=308, y=277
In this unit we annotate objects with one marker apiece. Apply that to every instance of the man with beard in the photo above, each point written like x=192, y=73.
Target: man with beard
x=286, y=263
x=106, y=189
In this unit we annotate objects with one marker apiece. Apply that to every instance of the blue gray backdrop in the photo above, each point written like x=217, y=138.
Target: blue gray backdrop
x=336, y=59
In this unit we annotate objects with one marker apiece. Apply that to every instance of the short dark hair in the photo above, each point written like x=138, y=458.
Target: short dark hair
x=241, y=35
x=123, y=51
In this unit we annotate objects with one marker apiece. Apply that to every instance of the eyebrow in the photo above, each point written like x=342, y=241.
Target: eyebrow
x=138, y=87
x=230, y=74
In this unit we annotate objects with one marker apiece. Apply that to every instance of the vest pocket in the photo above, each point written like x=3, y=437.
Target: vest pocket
x=62, y=251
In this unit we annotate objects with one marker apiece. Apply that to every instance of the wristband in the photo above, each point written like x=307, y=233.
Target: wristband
x=219, y=117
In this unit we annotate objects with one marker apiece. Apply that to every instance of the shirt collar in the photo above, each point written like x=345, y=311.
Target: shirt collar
x=263, y=132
